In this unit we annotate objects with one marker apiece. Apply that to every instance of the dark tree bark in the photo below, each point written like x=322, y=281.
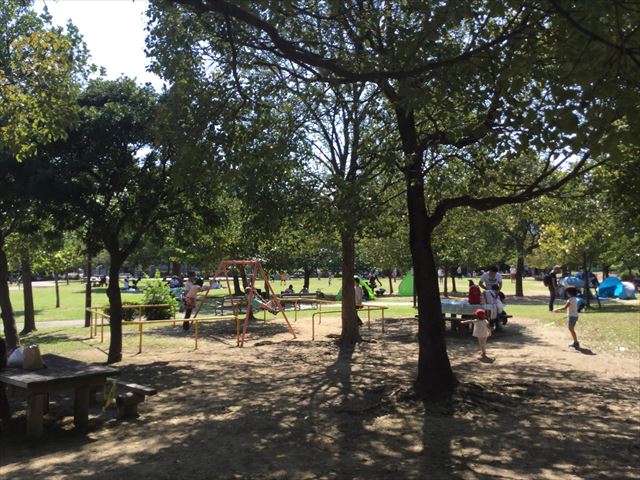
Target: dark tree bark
x=175, y=268
x=27, y=280
x=519, y=274
x=236, y=282
x=307, y=277
x=390, y=285
x=435, y=376
x=350, y=333
x=8, y=319
x=452, y=270
x=87, y=294
x=605, y=271
x=115, y=309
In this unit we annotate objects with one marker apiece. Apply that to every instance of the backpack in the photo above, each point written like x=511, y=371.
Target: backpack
x=547, y=280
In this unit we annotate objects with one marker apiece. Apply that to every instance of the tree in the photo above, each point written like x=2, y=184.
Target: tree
x=110, y=173
x=471, y=85
x=40, y=67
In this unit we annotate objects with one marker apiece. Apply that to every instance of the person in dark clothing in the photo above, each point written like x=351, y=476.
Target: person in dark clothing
x=552, y=284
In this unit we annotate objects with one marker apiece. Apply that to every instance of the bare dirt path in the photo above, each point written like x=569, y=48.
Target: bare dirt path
x=283, y=408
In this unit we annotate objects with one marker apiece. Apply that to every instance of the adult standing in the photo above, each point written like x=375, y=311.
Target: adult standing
x=551, y=281
x=441, y=275
x=490, y=278
x=512, y=273
x=359, y=297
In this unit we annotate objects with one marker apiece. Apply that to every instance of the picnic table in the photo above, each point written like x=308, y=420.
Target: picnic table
x=453, y=307
x=61, y=374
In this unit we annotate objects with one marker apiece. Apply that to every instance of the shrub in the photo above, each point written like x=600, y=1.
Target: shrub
x=128, y=314
x=157, y=292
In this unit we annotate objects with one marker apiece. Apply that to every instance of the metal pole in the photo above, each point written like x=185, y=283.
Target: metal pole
x=140, y=342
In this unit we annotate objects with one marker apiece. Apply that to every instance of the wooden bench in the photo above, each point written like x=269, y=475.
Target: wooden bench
x=128, y=401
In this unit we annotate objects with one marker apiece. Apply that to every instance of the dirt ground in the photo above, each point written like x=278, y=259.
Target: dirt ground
x=282, y=408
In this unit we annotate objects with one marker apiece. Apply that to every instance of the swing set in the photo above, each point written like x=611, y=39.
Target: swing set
x=256, y=269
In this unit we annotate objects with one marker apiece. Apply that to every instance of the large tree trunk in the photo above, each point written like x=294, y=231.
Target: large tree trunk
x=350, y=332
x=435, y=376
x=55, y=279
x=307, y=277
x=87, y=294
x=27, y=280
x=446, y=279
x=519, y=273
x=236, y=282
x=115, y=310
x=390, y=285
x=175, y=268
x=605, y=271
x=453, y=280
x=8, y=319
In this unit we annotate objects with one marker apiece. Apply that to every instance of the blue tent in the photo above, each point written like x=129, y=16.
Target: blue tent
x=608, y=287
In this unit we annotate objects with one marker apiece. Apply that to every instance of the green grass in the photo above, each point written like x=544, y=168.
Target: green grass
x=71, y=301
x=616, y=324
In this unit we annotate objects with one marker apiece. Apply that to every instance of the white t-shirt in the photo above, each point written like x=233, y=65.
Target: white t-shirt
x=481, y=328
x=513, y=271
x=572, y=309
x=488, y=281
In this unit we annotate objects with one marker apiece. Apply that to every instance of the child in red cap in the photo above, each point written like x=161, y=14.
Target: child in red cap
x=481, y=330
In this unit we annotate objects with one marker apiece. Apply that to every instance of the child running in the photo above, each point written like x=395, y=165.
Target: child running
x=572, y=314
x=481, y=330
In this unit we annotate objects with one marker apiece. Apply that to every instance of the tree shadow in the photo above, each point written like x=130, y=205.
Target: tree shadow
x=301, y=409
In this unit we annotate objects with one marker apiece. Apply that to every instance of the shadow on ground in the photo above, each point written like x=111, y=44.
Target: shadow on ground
x=296, y=409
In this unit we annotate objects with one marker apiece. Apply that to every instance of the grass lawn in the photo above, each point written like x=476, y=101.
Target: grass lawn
x=616, y=325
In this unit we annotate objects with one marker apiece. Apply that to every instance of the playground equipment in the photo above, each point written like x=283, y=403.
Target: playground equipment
x=256, y=269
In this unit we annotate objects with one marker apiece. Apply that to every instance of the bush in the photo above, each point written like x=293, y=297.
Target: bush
x=128, y=314
x=157, y=292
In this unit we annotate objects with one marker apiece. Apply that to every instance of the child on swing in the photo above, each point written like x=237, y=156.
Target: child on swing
x=257, y=302
x=481, y=330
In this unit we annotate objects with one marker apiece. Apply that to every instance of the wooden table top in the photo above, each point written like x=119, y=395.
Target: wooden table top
x=59, y=370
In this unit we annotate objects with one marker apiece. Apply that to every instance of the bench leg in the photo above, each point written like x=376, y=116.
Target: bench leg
x=5, y=410
x=128, y=404
x=35, y=412
x=81, y=407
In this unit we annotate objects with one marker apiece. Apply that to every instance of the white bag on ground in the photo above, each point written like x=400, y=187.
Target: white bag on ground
x=16, y=358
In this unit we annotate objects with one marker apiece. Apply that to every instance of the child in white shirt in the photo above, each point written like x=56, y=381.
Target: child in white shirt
x=572, y=314
x=481, y=330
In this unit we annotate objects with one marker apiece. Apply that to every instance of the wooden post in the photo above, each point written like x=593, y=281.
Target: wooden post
x=140, y=342
x=320, y=313
x=81, y=407
x=140, y=313
x=35, y=412
x=102, y=328
x=382, y=313
x=195, y=330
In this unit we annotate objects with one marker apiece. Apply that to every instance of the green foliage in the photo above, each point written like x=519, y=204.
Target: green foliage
x=157, y=292
x=128, y=314
x=39, y=79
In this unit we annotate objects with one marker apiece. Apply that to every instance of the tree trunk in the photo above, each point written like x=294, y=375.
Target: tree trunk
x=87, y=294
x=453, y=280
x=435, y=376
x=27, y=280
x=390, y=285
x=66, y=277
x=175, y=268
x=519, y=273
x=605, y=272
x=446, y=278
x=236, y=282
x=55, y=279
x=115, y=310
x=8, y=319
x=307, y=277
x=350, y=332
